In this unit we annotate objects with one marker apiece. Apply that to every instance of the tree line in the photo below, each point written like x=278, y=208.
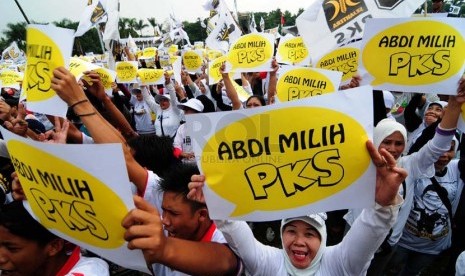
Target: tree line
x=135, y=27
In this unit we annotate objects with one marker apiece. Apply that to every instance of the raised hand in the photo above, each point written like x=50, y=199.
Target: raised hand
x=195, y=188
x=144, y=230
x=65, y=85
x=388, y=175
x=94, y=85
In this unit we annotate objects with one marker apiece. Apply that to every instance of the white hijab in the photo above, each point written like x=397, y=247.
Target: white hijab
x=317, y=221
x=385, y=128
x=208, y=93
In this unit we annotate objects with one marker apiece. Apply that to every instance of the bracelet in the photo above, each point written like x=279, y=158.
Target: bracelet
x=78, y=102
x=86, y=114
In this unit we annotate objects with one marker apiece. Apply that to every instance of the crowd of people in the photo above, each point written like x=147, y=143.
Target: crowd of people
x=417, y=220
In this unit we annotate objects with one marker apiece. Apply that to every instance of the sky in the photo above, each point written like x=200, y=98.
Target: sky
x=187, y=10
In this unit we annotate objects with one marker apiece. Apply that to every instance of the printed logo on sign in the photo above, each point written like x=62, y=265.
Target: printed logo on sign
x=223, y=35
x=250, y=51
x=97, y=13
x=388, y=4
x=340, y=12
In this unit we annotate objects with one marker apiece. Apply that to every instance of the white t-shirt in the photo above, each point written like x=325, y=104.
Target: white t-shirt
x=142, y=116
x=183, y=142
x=85, y=266
x=418, y=165
x=168, y=118
x=428, y=228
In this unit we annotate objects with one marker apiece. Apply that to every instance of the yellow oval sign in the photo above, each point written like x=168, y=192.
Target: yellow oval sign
x=214, y=69
x=149, y=76
x=10, y=78
x=284, y=166
x=293, y=50
x=344, y=60
x=126, y=71
x=67, y=198
x=43, y=56
x=250, y=51
x=302, y=83
x=105, y=76
x=149, y=52
x=192, y=61
x=414, y=58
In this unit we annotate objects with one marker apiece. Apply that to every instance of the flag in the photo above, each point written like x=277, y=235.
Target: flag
x=211, y=5
x=132, y=44
x=157, y=32
x=13, y=53
x=179, y=34
x=253, y=25
x=166, y=41
x=111, y=28
x=202, y=24
x=283, y=20
x=327, y=24
x=93, y=14
x=225, y=31
x=262, y=24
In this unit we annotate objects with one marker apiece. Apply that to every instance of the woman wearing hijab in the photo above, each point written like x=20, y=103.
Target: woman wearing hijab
x=304, y=238
x=392, y=136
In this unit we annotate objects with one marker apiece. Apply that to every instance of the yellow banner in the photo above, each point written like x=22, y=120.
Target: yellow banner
x=292, y=158
x=420, y=54
x=252, y=52
x=214, y=73
x=126, y=71
x=11, y=79
x=292, y=50
x=151, y=76
x=149, y=52
x=344, y=59
x=302, y=82
x=48, y=47
x=192, y=61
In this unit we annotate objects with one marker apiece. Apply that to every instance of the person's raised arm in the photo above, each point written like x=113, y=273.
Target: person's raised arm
x=352, y=256
x=453, y=110
x=144, y=230
x=171, y=87
x=230, y=89
x=66, y=87
x=273, y=82
x=118, y=118
x=187, y=80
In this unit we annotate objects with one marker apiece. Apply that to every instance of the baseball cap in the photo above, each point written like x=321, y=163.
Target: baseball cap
x=192, y=104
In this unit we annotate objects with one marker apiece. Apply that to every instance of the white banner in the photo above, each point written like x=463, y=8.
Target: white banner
x=326, y=24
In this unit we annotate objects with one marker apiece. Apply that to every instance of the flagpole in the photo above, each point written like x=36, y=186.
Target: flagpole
x=237, y=13
x=21, y=10
x=97, y=27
